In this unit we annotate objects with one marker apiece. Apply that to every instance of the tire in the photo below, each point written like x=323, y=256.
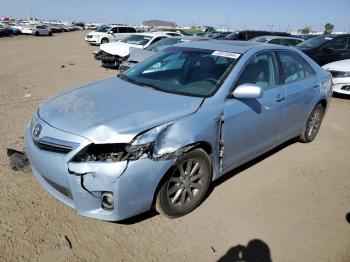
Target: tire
x=104, y=41
x=312, y=125
x=36, y=33
x=186, y=184
x=50, y=33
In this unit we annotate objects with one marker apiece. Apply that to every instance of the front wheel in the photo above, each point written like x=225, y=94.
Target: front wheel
x=186, y=185
x=312, y=125
x=104, y=41
x=37, y=33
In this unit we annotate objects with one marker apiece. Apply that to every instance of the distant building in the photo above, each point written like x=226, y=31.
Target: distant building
x=158, y=23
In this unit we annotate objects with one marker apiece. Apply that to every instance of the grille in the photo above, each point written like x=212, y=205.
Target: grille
x=89, y=36
x=334, y=73
x=55, y=145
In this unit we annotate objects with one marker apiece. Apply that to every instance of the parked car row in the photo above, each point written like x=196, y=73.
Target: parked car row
x=121, y=47
x=10, y=28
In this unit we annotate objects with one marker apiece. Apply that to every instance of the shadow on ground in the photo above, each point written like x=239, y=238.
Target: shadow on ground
x=255, y=251
x=249, y=164
x=341, y=96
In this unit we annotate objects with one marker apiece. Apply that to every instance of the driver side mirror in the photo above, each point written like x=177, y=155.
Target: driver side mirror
x=251, y=91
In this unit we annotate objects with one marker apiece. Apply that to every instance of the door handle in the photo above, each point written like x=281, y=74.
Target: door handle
x=280, y=98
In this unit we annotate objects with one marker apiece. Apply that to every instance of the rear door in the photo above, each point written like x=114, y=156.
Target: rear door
x=302, y=86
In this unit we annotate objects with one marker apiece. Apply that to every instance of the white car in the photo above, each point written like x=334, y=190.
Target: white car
x=36, y=30
x=107, y=33
x=112, y=54
x=13, y=25
x=340, y=71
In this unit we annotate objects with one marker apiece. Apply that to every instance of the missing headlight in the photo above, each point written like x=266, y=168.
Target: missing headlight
x=110, y=153
x=102, y=152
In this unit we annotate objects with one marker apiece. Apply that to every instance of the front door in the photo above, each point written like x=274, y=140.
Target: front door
x=253, y=125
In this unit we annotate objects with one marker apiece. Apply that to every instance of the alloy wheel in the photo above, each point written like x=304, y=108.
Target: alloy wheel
x=185, y=183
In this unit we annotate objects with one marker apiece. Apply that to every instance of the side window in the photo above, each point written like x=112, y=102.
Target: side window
x=155, y=40
x=294, y=67
x=261, y=71
x=114, y=30
x=338, y=43
x=276, y=41
x=122, y=30
x=130, y=30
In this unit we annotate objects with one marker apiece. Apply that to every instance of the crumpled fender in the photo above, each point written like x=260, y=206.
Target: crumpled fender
x=180, y=136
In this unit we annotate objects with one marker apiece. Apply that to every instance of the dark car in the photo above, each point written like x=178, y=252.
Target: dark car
x=220, y=35
x=249, y=34
x=5, y=31
x=325, y=49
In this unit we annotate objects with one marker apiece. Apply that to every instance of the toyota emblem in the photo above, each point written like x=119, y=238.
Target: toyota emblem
x=37, y=130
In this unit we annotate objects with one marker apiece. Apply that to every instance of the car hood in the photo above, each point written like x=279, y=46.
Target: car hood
x=113, y=110
x=118, y=48
x=342, y=66
x=138, y=55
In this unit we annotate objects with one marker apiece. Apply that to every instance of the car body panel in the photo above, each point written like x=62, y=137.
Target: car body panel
x=76, y=112
x=341, y=84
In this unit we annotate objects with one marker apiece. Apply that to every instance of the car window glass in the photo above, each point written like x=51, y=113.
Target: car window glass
x=130, y=30
x=186, y=71
x=338, y=43
x=261, y=71
x=122, y=30
x=276, y=41
x=294, y=67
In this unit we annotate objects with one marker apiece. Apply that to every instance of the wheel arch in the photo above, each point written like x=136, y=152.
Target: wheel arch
x=206, y=146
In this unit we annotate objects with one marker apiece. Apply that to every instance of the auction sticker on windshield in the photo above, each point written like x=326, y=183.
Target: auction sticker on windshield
x=226, y=54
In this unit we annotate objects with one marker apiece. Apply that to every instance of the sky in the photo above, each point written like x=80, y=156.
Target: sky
x=235, y=14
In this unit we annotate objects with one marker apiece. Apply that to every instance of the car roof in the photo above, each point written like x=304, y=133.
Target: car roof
x=334, y=35
x=231, y=46
x=271, y=37
x=153, y=34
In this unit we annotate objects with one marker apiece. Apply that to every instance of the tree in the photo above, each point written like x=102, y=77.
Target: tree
x=305, y=31
x=328, y=28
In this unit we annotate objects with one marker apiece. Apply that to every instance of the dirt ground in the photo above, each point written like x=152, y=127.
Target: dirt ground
x=289, y=205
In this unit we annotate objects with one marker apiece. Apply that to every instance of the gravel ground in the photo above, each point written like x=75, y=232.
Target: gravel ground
x=289, y=205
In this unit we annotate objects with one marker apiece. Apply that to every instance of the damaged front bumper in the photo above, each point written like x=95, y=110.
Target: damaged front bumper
x=108, y=59
x=80, y=185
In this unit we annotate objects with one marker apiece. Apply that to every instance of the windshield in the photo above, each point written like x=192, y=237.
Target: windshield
x=162, y=44
x=315, y=41
x=185, y=71
x=136, y=39
x=232, y=36
x=102, y=29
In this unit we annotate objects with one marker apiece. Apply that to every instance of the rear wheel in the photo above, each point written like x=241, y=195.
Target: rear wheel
x=312, y=125
x=186, y=185
x=37, y=33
